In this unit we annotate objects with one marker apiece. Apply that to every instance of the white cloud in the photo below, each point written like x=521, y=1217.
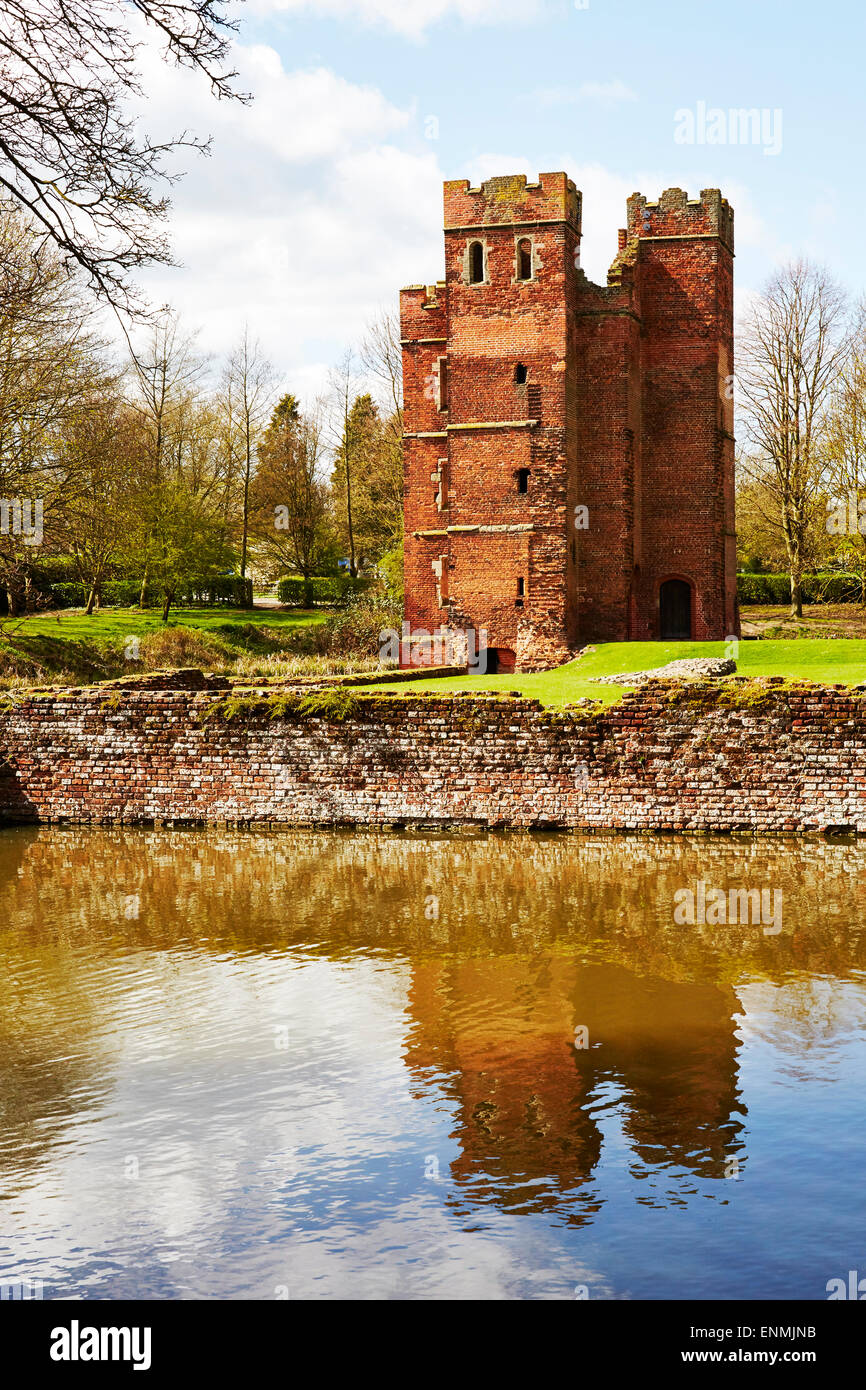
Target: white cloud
x=309, y=115
x=295, y=116
x=411, y=18
x=318, y=202
x=607, y=93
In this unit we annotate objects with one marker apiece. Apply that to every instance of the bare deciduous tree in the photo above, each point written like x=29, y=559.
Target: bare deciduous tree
x=246, y=397
x=793, y=345
x=47, y=353
x=343, y=385
x=844, y=450
x=101, y=449
x=381, y=356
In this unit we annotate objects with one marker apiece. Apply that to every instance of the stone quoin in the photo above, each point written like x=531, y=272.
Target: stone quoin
x=569, y=450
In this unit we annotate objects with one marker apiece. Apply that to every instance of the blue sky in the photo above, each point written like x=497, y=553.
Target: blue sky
x=324, y=197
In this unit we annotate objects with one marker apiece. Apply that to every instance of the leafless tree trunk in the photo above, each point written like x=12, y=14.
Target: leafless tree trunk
x=166, y=374
x=343, y=386
x=845, y=458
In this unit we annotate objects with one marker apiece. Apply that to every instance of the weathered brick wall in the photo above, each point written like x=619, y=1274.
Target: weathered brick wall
x=607, y=378
x=492, y=424
x=684, y=268
x=736, y=757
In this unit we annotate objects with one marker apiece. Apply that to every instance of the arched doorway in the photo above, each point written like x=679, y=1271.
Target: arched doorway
x=675, y=610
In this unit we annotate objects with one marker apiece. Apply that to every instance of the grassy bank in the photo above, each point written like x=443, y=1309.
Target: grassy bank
x=113, y=625
x=69, y=647
x=823, y=661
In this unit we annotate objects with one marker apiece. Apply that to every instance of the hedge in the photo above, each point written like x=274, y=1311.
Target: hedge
x=226, y=590
x=331, y=591
x=817, y=588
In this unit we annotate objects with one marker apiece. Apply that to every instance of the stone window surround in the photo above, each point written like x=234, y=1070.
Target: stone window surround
x=467, y=254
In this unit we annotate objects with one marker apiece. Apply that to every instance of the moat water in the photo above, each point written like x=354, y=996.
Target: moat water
x=268, y=1065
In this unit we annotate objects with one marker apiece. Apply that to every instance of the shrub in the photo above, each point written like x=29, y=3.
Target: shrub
x=226, y=590
x=833, y=588
x=391, y=569
x=354, y=631
x=329, y=591
x=817, y=588
x=69, y=595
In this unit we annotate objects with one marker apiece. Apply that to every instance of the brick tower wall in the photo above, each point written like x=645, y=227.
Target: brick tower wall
x=503, y=555
x=685, y=272
x=607, y=356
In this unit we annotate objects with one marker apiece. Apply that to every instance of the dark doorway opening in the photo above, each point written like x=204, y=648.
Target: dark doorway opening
x=675, y=610
x=500, y=661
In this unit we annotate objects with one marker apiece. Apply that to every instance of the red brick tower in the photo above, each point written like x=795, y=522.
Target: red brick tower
x=569, y=449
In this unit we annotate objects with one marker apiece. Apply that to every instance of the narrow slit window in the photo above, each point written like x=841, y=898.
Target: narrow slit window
x=476, y=263
x=442, y=379
x=522, y=483
x=521, y=587
x=524, y=259
x=520, y=374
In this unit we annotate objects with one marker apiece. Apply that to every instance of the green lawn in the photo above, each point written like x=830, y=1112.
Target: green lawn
x=112, y=625
x=827, y=661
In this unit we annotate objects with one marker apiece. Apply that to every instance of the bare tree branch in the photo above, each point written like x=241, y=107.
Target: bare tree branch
x=70, y=152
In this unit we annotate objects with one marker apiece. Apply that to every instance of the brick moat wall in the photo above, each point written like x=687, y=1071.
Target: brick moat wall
x=737, y=756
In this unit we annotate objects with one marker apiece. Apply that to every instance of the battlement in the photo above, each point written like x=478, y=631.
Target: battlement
x=512, y=200
x=675, y=214
x=421, y=296
x=423, y=312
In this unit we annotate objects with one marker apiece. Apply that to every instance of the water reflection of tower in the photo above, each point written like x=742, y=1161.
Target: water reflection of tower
x=499, y=1034
x=671, y=1046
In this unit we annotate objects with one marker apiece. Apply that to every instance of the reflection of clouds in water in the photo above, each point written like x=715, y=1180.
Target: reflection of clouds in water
x=245, y=1153
x=210, y=1109
x=810, y=1021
